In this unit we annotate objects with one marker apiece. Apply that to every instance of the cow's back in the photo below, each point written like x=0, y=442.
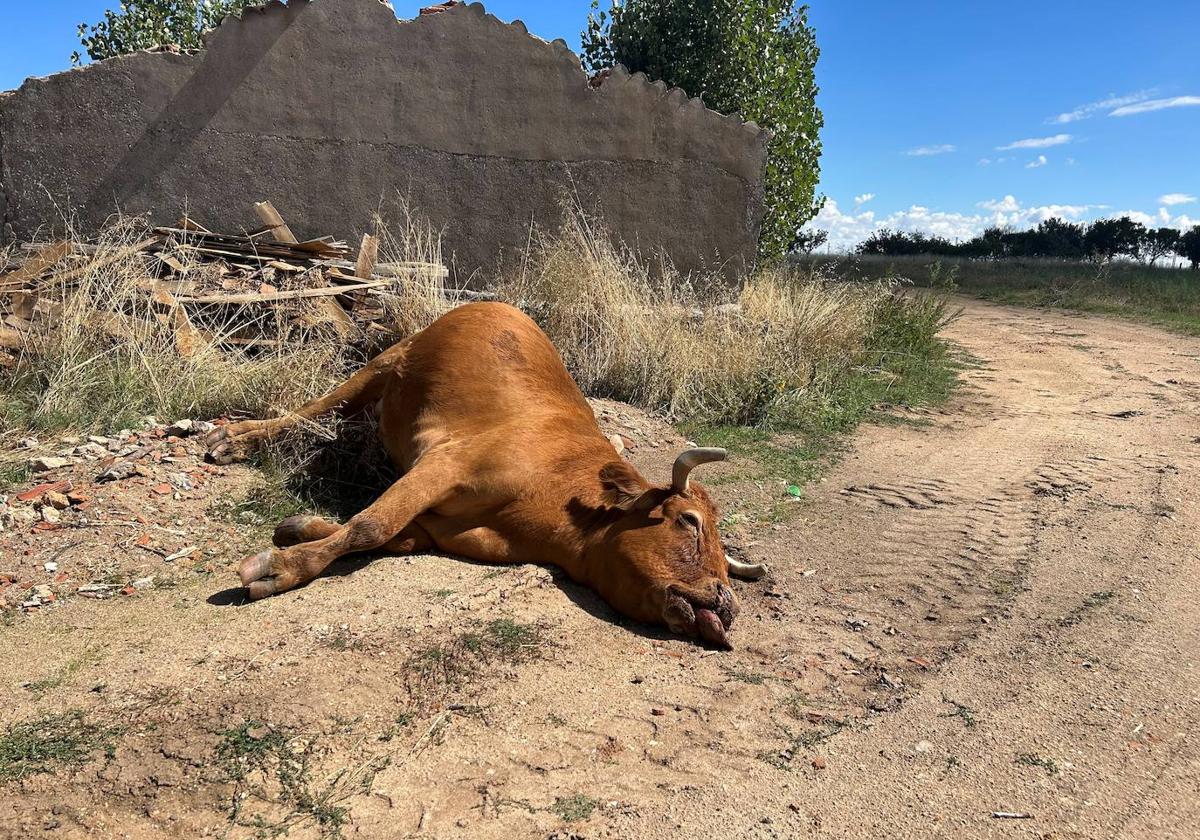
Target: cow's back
x=480, y=368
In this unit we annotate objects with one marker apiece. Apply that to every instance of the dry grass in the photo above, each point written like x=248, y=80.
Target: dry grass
x=111, y=355
x=406, y=237
x=767, y=351
x=645, y=336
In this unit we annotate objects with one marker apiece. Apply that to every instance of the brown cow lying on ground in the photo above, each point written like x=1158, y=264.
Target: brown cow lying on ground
x=503, y=462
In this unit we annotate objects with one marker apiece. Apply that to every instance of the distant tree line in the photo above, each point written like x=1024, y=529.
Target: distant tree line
x=1102, y=241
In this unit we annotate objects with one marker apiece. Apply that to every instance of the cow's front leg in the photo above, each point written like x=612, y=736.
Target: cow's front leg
x=307, y=528
x=433, y=480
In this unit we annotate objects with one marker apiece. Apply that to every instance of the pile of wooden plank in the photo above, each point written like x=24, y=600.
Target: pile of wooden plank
x=245, y=290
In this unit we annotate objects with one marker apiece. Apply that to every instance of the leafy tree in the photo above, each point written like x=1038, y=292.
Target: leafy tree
x=1057, y=238
x=144, y=24
x=808, y=241
x=1053, y=238
x=1159, y=243
x=1108, y=238
x=753, y=57
x=898, y=243
x=1188, y=247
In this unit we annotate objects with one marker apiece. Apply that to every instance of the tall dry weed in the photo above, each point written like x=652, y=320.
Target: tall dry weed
x=724, y=354
x=406, y=237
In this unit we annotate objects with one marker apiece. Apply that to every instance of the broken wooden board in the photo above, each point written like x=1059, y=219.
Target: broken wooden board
x=294, y=294
x=42, y=260
x=331, y=311
x=275, y=225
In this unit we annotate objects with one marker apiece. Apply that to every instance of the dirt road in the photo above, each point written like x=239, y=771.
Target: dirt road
x=993, y=611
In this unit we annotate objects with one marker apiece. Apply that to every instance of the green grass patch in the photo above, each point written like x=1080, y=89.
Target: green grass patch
x=436, y=669
x=963, y=712
x=1035, y=760
x=1166, y=297
x=274, y=766
x=1090, y=603
x=13, y=474
x=740, y=675
x=50, y=743
x=62, y=675
x=574, y=808
x=271, y=499
x=797, y=743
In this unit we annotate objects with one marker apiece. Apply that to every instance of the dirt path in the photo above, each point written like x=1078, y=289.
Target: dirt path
x=997, y=610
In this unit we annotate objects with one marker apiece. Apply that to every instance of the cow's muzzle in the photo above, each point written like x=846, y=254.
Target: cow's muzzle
x=700, y=614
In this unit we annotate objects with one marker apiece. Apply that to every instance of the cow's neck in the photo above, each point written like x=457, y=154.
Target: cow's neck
x=577, y=534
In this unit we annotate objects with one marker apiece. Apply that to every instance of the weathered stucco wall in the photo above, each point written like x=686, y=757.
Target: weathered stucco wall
x=329, y=107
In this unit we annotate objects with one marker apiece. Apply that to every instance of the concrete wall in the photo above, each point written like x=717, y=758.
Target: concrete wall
x=327, y=107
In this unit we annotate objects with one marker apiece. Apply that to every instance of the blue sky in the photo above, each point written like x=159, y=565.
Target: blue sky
x=939, y=116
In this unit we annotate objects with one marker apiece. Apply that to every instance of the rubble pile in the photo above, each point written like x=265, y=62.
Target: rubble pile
x=232, y=290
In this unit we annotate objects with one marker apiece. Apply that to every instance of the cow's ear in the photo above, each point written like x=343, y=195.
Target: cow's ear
x=623, y=487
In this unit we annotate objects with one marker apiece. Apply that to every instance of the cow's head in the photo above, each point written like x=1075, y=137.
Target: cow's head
x=661, y=560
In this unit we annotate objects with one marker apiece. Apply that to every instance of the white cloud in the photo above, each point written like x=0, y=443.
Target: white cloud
x=1008, y=204
x=860, y=200
x=1083, y=112
x=930, y=151
x=1037, y=143
x=1037, y=164
x=1172, y=199
x=1156, y=105
x=1138, y=216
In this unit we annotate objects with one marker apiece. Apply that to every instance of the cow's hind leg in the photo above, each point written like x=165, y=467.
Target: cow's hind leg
x=432, y=481
x=235, y=441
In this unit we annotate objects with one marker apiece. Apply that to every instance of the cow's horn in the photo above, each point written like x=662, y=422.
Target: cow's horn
x=688, y=461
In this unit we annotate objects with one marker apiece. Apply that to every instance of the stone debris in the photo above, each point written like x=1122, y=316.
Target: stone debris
x=61, y=524
x=56, y=500
x=47, y=463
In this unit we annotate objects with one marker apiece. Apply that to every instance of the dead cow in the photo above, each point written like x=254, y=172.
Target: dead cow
x=503, y=462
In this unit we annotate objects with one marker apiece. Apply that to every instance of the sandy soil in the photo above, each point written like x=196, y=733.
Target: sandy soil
x=996, y=611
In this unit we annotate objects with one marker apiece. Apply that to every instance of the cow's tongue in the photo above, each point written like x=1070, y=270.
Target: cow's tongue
x=711, y=629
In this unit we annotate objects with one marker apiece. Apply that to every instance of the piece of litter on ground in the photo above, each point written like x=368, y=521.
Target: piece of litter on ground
x=98, y=590
x=1011, y=815
x=179, y=555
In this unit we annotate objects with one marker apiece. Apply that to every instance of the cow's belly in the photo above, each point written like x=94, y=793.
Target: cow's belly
x=468, y=540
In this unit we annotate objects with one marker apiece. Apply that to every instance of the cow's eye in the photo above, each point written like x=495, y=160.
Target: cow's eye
x=692, y=519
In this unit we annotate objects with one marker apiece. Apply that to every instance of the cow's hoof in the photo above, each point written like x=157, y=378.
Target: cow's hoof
x=292, y=531
x=227, y=450
x=257, y=575
x=233, y=442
